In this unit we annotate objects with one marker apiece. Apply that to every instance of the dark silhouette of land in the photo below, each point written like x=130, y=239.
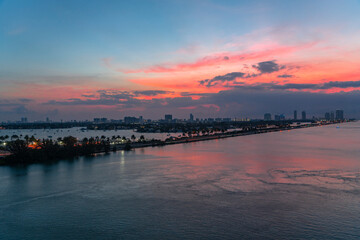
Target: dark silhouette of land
x=32, y=150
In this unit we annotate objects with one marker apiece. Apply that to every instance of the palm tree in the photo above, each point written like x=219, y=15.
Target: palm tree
x=18, y=148
x=91, y=140
x=14, y=137
x=133, y=138
x=70, y=141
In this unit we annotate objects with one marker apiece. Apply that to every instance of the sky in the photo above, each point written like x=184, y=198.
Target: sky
x=85, y=59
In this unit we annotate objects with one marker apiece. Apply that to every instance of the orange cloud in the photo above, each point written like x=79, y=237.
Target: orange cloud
x=224, y=58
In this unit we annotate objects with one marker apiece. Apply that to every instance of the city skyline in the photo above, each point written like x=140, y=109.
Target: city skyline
x=151, y=58
x=337, y=114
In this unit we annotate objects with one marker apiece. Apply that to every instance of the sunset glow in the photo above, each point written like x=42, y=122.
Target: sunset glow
x=210, y=59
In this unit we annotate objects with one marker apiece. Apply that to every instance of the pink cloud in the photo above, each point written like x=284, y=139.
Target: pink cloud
x=190, y=107
x=225, y=58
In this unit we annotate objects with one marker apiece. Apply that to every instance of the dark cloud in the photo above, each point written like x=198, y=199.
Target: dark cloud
x=15, y=102
x=244, y=100
x=128, y=99
x=223, y=78
x=262, y=67
x=323, y=86
x=25, y=100
x=103, y=97
x=94, y=102
x=188, y=94
x=229, y=76
x=337, y=84
x=115, y=94
x=299, y=86
x=285, y=76
x=240, y=102
x=268, y=67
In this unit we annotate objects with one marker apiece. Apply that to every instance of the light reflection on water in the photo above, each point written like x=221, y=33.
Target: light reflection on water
x=287, y=185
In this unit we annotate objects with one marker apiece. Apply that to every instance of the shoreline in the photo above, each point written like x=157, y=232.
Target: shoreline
x=7, y=158
x=237, y=134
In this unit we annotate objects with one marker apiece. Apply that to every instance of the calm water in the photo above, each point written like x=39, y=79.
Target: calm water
x=76, y=132
x=287, y=185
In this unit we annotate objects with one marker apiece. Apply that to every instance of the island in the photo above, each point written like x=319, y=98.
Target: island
x=30, y=150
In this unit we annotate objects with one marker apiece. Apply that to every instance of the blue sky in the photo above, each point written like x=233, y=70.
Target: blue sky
x=54, y=43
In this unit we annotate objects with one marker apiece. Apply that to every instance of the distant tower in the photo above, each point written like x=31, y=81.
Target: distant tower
x=327, y=116
x=191, y=117
x=295, y=115
x=168, y=117
x=339, y=115
x=303, y=115
x=267, y=116
x=332, y=116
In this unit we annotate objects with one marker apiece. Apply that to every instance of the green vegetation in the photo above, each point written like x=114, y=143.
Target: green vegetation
x=31, y=150
x=25, y=150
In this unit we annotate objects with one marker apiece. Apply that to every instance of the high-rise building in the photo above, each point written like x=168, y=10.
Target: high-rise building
x=168, y=117
x=295, y=115
x=24, y=120
x=303, y=115
x=327, y=116
x=267, y=116
x=100, y=120
x=332, y=116
x=191, y=117
x=280, y=117
x=128, y=119
x=339, y=115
